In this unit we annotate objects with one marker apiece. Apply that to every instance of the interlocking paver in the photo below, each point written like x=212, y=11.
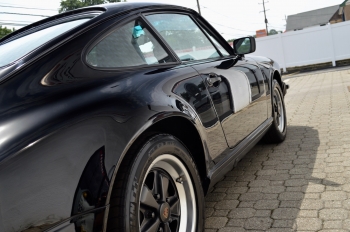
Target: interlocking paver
x=312, y=204
x=242, y=213
x=334, y=195
x=220, y=212
x=313, y=188
x=251, y=196
x=283, y=223
x=290, y=204
x=333, y=214
x=285, y=213
x=301, y=184
x=333, y=224
x=227, y=204
x=267, y=204
x=291, y=196
x=258, y=223
x=236, y=223
x=263, y=213
x=313, y=224
x=215, y=222
x=232, y=229
x=296, y=182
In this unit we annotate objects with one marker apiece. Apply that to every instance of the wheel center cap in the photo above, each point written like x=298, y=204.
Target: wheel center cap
x=164, y=212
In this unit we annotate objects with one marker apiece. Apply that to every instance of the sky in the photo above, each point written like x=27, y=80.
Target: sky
x=232, y=18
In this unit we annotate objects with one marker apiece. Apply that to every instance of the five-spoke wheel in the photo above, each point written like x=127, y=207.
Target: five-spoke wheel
x=166, y=192
x=159, y=190
x=278, y=107
x=278, y=130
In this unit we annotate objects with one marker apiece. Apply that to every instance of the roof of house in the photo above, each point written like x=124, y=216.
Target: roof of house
x=310, y=18
x=346, y=2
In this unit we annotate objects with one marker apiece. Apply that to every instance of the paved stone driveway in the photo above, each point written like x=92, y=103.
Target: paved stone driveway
x=302, y=184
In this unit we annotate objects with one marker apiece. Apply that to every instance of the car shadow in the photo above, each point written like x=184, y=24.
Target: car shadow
x=273, y=187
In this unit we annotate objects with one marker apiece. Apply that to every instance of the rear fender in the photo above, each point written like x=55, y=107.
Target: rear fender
x=152, y=121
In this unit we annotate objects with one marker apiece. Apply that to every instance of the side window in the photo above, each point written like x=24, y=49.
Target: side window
x=19, y=47
x=218, y=45
x=130, y=45
x=184, y=36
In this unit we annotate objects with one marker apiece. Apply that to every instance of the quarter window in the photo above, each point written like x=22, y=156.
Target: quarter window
x=129, y=45
x=21, y=46
x=184, y=36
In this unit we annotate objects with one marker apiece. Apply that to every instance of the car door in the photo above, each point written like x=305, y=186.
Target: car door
x=178, y=31
x=238, y=96
x=236, y=86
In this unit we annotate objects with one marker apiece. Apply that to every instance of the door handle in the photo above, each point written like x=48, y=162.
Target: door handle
x=213, y=80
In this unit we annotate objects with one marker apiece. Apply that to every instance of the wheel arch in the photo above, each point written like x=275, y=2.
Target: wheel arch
x=170, y=124
x=191, y=138
x=277, y=76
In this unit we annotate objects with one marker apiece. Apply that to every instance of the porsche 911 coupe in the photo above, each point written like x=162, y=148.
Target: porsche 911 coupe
x=121, y=117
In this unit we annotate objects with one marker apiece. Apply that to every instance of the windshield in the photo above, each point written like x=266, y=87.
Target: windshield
x=15, y=49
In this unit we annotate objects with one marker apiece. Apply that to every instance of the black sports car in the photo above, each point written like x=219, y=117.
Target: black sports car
x=121, y=117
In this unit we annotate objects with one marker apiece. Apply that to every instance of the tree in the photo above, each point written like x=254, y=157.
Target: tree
x=67, y=5
x=4, y=31
x=273, y=32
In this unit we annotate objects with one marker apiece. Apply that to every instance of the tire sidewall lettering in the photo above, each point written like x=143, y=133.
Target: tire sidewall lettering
x=144, y=159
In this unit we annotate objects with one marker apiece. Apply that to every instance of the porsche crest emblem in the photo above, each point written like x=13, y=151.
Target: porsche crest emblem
x=166, y=212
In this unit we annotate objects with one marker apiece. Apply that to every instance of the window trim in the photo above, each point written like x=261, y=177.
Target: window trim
x=115, y=26
x=207, y=33
x=197, y=24
x=203, y=23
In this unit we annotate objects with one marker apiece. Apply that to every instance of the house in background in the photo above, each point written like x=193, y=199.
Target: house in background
x=344, y=10
x=319, y=17
x=336, y=18
x=343, y=14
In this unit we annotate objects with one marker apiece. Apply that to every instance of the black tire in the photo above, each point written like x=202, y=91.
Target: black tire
x=277, y=132
x=160, y=159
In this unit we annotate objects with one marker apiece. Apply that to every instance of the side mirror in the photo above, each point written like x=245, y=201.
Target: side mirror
x=244, y=45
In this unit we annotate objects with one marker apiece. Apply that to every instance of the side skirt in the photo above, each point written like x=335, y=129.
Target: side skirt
x=237, y=153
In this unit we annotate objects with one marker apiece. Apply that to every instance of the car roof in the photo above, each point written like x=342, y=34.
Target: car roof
x=122, y=6
x=105, y=9
x=119, y=7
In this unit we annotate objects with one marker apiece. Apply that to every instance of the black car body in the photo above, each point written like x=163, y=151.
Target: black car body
x=67, y=120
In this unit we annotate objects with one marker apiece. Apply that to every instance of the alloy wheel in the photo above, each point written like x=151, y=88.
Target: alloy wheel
x=167, y=200
x=278, y=110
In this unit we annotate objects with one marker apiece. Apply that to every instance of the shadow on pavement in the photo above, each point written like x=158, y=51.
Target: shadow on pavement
x=273, y=187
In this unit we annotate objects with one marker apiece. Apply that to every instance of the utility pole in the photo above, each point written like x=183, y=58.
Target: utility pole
x=199, y=8
x=267, y=32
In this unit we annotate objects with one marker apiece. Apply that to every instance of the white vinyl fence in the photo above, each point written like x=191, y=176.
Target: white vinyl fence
x=309, y=46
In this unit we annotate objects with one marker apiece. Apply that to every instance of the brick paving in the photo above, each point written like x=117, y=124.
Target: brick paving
x=302, y=184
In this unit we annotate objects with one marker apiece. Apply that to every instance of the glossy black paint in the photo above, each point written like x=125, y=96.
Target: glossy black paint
x=65, y=126
x=236, y=125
